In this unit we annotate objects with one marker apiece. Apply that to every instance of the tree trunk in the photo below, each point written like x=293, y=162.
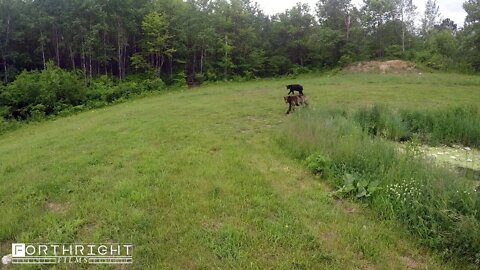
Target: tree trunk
x=4, y=57
x=5, y=69
x=171, y=67
x=90, y=64
x=124, y=69
x=162, y=61
x=105, y=51
x=403, y=29
x=226, y=57
x=205, y=56
x=72, y=57
x=347, y=24
x=43, y=58
x=201, y=61
x=84, y=64
x=119, y=55
x=57, y=46
x=194, y=62
x=42, y=45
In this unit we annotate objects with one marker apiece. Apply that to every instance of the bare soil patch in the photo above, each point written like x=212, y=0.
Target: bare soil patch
x=56, y=207
x=392, y=66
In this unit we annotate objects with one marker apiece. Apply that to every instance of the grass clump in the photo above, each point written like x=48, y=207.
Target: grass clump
x=455, y=125
x=436, y=205
x=458, y=125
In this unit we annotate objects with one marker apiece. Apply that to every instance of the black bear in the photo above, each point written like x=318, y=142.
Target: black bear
x=295, y=87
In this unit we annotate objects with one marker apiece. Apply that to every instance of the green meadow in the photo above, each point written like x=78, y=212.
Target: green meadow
x=196, y=178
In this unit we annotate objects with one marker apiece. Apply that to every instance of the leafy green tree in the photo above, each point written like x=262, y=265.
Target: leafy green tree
x=406, y=12
x=472, y=33
x=210, y=39
x=226, y=62
x=13, y=27
x=431, y=16
x=378, y=21
x=156, y=40
x=335, y=17
x=44, y=92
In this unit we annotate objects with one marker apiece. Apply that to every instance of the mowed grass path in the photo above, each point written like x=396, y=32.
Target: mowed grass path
x=194, y=179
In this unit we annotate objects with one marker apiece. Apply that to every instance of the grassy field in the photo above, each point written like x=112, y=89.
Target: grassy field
x=194, y=179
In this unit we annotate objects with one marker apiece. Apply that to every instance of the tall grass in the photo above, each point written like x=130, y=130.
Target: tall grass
x=457, y=125
x=439, y=207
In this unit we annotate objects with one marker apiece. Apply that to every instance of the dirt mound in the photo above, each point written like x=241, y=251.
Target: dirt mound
x=393, y=66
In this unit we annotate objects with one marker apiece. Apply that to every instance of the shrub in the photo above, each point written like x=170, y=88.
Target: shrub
x=394, y=52
x=53, y=91
x=155, y=84
x=345, y=60
x=37, y=112
x=58, y=86
x=296, y=70
x=278, y=65
x=318, y=164
x=40, y=93
x=20, y=94
x=438, y=62
x=99, y=87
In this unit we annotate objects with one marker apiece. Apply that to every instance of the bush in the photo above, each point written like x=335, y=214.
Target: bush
x=37, y=112
x=99, y=87
x=40, y=93
x=394, y=52
x=155, y=84
x=438, y=62
x=21, y=94
x=53, y=91
x=278, y=65
x=345, y=60
x=296, y=70
x=58, y=86
x=318, y=164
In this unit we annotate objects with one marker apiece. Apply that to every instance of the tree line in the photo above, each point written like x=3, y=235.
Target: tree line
x=219, y=39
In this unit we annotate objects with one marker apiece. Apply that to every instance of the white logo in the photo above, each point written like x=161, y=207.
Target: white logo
x=18, y=250
x=23, y=253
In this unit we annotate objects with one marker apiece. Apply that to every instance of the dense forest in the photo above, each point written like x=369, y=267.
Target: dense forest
x=189, y=42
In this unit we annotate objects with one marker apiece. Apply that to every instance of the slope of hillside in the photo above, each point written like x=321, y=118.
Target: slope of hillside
x=195, y=179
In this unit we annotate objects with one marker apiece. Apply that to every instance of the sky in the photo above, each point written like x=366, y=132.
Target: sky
x=448, y=8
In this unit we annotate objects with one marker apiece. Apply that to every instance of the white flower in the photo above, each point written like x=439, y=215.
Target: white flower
x=7, y=259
